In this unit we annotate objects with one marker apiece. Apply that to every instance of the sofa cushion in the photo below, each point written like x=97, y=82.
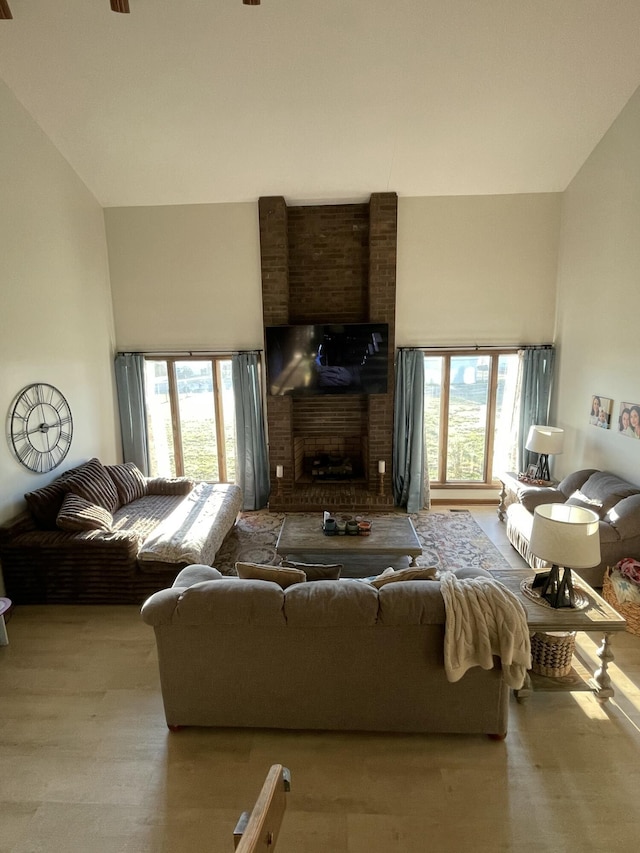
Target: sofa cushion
x=129, y=480
x=316, y=571
x=257, y=572
x=92, y=482
x=230, y=601
x=77, y=514
x=575, y=481
x=334, y=603
x=411, y=604
x=411, y=574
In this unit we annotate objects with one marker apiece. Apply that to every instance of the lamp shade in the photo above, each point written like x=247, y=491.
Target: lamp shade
x=566, y=536
x=545, y=439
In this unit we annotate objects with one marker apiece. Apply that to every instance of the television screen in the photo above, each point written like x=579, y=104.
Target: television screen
x=327, y=359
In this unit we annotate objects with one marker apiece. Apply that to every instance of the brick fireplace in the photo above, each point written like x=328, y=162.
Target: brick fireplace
x=330, y=264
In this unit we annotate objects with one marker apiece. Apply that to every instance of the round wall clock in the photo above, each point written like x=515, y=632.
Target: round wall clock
x=40, y=427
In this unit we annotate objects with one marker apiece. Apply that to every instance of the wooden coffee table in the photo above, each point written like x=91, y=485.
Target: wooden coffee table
x=391, y=536
x=597, y=616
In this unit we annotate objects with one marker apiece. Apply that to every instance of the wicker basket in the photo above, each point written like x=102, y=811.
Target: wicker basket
x=551, y=653
x=631, y=612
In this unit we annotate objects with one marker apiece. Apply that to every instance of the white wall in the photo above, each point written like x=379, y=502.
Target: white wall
x=186, y=277
x=56, y=321
x=477, y=270
x=599, y=299
x=470, y=270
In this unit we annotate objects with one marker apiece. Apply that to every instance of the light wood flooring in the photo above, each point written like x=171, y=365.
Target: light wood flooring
x=87, y=764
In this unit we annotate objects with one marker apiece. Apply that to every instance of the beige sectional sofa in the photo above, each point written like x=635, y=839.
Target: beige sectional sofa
x=106, y=534
x=329, y=654
x=616, y=501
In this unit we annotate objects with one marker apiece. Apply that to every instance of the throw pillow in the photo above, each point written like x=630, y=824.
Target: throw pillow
x=581, y=500
x=415, y=574
x=44, y=504
x=316, y=571
x=129, y=481
x=92, y=483
x=169, y=486
x=258, y=572
x=77, y=514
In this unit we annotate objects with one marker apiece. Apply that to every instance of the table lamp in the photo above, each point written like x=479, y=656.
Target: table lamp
x=545, y=441
x=568, y=537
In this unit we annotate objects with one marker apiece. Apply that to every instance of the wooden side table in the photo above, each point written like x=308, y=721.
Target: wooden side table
x=597, y=616
x=511, y=488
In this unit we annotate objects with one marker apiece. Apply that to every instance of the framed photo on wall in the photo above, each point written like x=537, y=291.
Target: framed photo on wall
x=629, y=420
x=601, y=408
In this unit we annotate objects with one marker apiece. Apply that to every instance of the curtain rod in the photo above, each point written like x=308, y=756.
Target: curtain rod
x=477, y=347
x=172, y=353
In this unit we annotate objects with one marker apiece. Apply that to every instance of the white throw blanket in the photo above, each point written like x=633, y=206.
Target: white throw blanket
x=484, y=619
x=194, y=531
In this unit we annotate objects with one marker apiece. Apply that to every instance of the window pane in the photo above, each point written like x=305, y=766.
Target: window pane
x=468, y=395
x=159, y=429
x=197, y=419
x=506, y=428
x=229, y=418
x=432, y=397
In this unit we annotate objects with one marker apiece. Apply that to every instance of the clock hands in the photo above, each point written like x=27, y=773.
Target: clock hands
x=42, y=428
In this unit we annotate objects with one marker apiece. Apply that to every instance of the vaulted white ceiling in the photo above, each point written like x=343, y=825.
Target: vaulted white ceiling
x=199, y=101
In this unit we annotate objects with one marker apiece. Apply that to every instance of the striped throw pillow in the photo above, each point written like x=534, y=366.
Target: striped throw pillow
x=44, y=504
x=129, y=480
x=169, y=486
x=92, y=483
x=77, y=514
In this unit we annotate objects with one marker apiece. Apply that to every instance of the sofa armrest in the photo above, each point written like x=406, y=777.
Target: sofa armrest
x=532, y=496
x=624, y=517
x=169, y=485
x=22, y=523
x=160, y=607
x=607, y=533
x=123, y=543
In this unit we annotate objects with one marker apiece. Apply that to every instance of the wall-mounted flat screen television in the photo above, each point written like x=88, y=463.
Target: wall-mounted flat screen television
x=327, y=358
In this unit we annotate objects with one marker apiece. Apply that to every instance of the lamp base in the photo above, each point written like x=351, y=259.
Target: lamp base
x=555, y=588
x=542, y=471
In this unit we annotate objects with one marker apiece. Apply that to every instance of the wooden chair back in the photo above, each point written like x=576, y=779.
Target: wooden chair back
x=257, y=832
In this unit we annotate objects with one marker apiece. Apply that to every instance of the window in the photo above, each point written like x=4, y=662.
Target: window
x=191, y=418
x=469, y=405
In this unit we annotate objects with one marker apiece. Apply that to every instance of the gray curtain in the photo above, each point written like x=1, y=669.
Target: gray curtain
x=536, y=365
x=408, y=431
x=133, y=417
x=253, y=463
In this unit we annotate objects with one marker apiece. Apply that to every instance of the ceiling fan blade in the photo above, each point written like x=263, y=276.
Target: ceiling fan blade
x=118, y=6
x=5, y=11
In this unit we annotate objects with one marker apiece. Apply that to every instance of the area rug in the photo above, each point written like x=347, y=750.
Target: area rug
x=450, y=540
